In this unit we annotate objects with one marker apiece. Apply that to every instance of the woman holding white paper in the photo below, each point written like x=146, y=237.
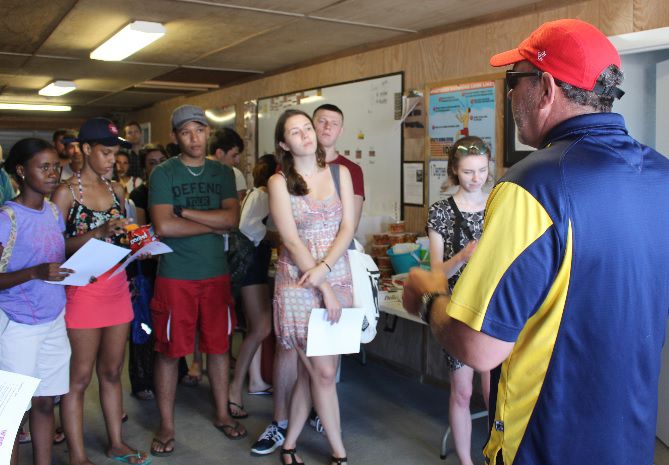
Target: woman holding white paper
x=316, y=224
x=98, y=315
x=33, y=340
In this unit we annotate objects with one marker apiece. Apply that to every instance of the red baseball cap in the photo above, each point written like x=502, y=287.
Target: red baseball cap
x=571, y=50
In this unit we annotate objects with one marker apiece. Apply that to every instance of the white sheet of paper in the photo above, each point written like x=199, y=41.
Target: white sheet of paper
x=341, y=338
x=15, y=394
x=94, y=258
x=154, y=248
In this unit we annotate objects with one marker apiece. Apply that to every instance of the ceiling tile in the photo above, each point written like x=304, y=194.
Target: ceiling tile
x=304, y=40
x=25, y=24
x=416, y=15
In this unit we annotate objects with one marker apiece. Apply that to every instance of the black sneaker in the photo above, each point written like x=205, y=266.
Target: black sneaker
x=270, y=440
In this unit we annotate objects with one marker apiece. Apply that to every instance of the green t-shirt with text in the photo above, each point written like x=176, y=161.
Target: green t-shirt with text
x=195, y=257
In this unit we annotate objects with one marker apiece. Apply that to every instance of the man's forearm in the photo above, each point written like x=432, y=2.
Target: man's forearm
x=221, y=220
x=180, y=227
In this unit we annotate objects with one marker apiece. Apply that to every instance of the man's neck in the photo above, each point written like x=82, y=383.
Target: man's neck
x=189, y=160
x=330, y=154
x=136, y=147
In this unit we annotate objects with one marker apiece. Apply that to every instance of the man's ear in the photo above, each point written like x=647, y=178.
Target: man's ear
x=549, y=90
x=173, y=137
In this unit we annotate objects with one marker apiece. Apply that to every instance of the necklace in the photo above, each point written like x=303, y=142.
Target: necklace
x=308, y=175
x=190, y=170
x=104, y=180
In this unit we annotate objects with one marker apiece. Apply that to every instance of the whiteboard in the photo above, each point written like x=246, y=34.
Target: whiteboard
x=372, y=135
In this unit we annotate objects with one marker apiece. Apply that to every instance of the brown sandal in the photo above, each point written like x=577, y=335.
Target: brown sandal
x=229, y=430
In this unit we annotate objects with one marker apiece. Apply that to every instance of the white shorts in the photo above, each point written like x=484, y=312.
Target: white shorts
x=41, y=351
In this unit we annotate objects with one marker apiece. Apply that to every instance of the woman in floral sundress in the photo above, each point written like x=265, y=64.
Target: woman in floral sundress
x=316, y=227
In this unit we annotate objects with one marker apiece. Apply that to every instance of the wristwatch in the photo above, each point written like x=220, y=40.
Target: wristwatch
x=178, y=210
x=427, y=300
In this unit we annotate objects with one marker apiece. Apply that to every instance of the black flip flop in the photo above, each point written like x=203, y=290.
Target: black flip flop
x=165, y=452
x=237, y=416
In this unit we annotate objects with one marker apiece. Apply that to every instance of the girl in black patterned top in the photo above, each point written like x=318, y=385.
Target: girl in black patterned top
x=454, y=226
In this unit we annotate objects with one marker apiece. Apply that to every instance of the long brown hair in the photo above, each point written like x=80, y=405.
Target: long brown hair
x=296, y=183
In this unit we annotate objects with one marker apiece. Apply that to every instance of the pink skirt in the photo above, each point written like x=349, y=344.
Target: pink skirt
x=104, y=303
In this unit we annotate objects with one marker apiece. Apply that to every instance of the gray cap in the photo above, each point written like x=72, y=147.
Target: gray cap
x=187, y=113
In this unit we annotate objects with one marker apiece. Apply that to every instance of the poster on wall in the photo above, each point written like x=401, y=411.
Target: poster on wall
x=413, y=183
x=439, y=186
x=461, y=110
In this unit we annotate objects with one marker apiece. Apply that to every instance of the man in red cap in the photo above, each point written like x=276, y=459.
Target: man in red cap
x=566, y=296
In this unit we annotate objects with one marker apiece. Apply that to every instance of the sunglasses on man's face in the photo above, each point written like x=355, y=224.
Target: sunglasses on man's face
x=512, y=77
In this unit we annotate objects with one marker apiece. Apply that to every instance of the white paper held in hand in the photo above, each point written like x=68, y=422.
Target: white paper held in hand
x=94, y=258
x=154, y=248
x=15, y=394
x=325, y=338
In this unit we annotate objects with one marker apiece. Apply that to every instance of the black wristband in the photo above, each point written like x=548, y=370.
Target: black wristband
x=178, y=210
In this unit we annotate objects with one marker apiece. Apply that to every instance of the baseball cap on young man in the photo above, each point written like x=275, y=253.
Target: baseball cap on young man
x=102, y=131
x=571, y=50
x=187, y=113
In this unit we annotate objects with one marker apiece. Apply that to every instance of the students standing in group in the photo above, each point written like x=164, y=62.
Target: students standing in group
x=453, y=226
x=192, y=201
x=122, y=173
x=97, y=315
x=329, y=124
x=227, y=146
x=33, y=339
x=316, y=226
x=255, y=291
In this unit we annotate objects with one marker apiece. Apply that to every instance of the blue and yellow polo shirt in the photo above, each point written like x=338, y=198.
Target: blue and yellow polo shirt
x=573, y=266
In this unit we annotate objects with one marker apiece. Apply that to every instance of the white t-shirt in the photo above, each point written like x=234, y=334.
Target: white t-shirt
x=254, y=210
x=240, y=180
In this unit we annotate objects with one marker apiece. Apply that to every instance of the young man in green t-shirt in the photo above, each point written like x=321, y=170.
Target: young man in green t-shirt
x=193, y=201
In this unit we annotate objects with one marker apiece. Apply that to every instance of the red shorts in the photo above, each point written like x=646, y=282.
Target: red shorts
x=181, y=306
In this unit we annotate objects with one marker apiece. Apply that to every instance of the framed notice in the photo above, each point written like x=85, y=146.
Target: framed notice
x=412, y=182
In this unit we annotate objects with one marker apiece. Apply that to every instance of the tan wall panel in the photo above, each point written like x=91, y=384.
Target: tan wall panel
x=456, y=54
x=650, y=15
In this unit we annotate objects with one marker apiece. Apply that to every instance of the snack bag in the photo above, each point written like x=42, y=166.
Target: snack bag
x=139, y=236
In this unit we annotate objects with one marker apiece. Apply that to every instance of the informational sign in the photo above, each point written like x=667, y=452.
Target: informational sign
x=413, y=183
x=439, y=186
x=458, y=111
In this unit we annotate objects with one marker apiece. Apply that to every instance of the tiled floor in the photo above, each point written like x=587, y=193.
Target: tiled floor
x=387, y=419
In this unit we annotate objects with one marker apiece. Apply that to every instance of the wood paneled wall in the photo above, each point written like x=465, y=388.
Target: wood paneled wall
x=457, y=53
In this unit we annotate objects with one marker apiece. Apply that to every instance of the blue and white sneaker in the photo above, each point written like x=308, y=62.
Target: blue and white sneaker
x=270, y=440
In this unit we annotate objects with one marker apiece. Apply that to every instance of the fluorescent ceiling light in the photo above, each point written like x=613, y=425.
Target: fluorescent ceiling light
x=58, y=88
x=219, y=119
x=135, y=36
x=31, y=107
